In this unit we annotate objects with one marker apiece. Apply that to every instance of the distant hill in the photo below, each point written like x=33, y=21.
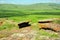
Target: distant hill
x=38, y=6
x=8, y=10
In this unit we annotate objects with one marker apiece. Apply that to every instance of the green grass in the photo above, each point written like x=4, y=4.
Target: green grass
x=44, y=33
x=7, y=26
x=33, y=16
x=21, y=16
x=29, y=13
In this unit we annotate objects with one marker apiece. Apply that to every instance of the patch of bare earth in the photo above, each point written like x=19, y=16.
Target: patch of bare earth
x=25, y=34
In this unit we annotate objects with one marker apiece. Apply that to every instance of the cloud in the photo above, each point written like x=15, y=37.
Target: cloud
x=2, y=2
x=7, y=1
x=57, y=1
x=28, y=1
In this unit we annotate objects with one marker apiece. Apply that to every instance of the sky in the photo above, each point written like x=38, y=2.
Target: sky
x=27, y=1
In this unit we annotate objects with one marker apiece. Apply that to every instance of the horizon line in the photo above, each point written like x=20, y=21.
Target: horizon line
x=29, y=4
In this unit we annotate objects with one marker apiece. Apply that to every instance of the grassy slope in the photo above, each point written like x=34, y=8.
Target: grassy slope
x=33, y=12
x=32, y=7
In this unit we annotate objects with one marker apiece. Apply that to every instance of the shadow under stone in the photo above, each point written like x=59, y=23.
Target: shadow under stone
x=49, y=29
x=24, y=24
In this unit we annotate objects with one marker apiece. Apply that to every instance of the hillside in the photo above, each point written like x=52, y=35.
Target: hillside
x=38, y=16
x=33, y=7
x=8, y=10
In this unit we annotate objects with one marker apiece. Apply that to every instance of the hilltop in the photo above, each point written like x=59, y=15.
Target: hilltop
x=33, y=7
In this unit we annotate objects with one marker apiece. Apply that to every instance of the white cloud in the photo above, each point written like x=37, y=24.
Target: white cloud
x=26, y=2
x=8, y=2
x=2, y=2
x=57, y=1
